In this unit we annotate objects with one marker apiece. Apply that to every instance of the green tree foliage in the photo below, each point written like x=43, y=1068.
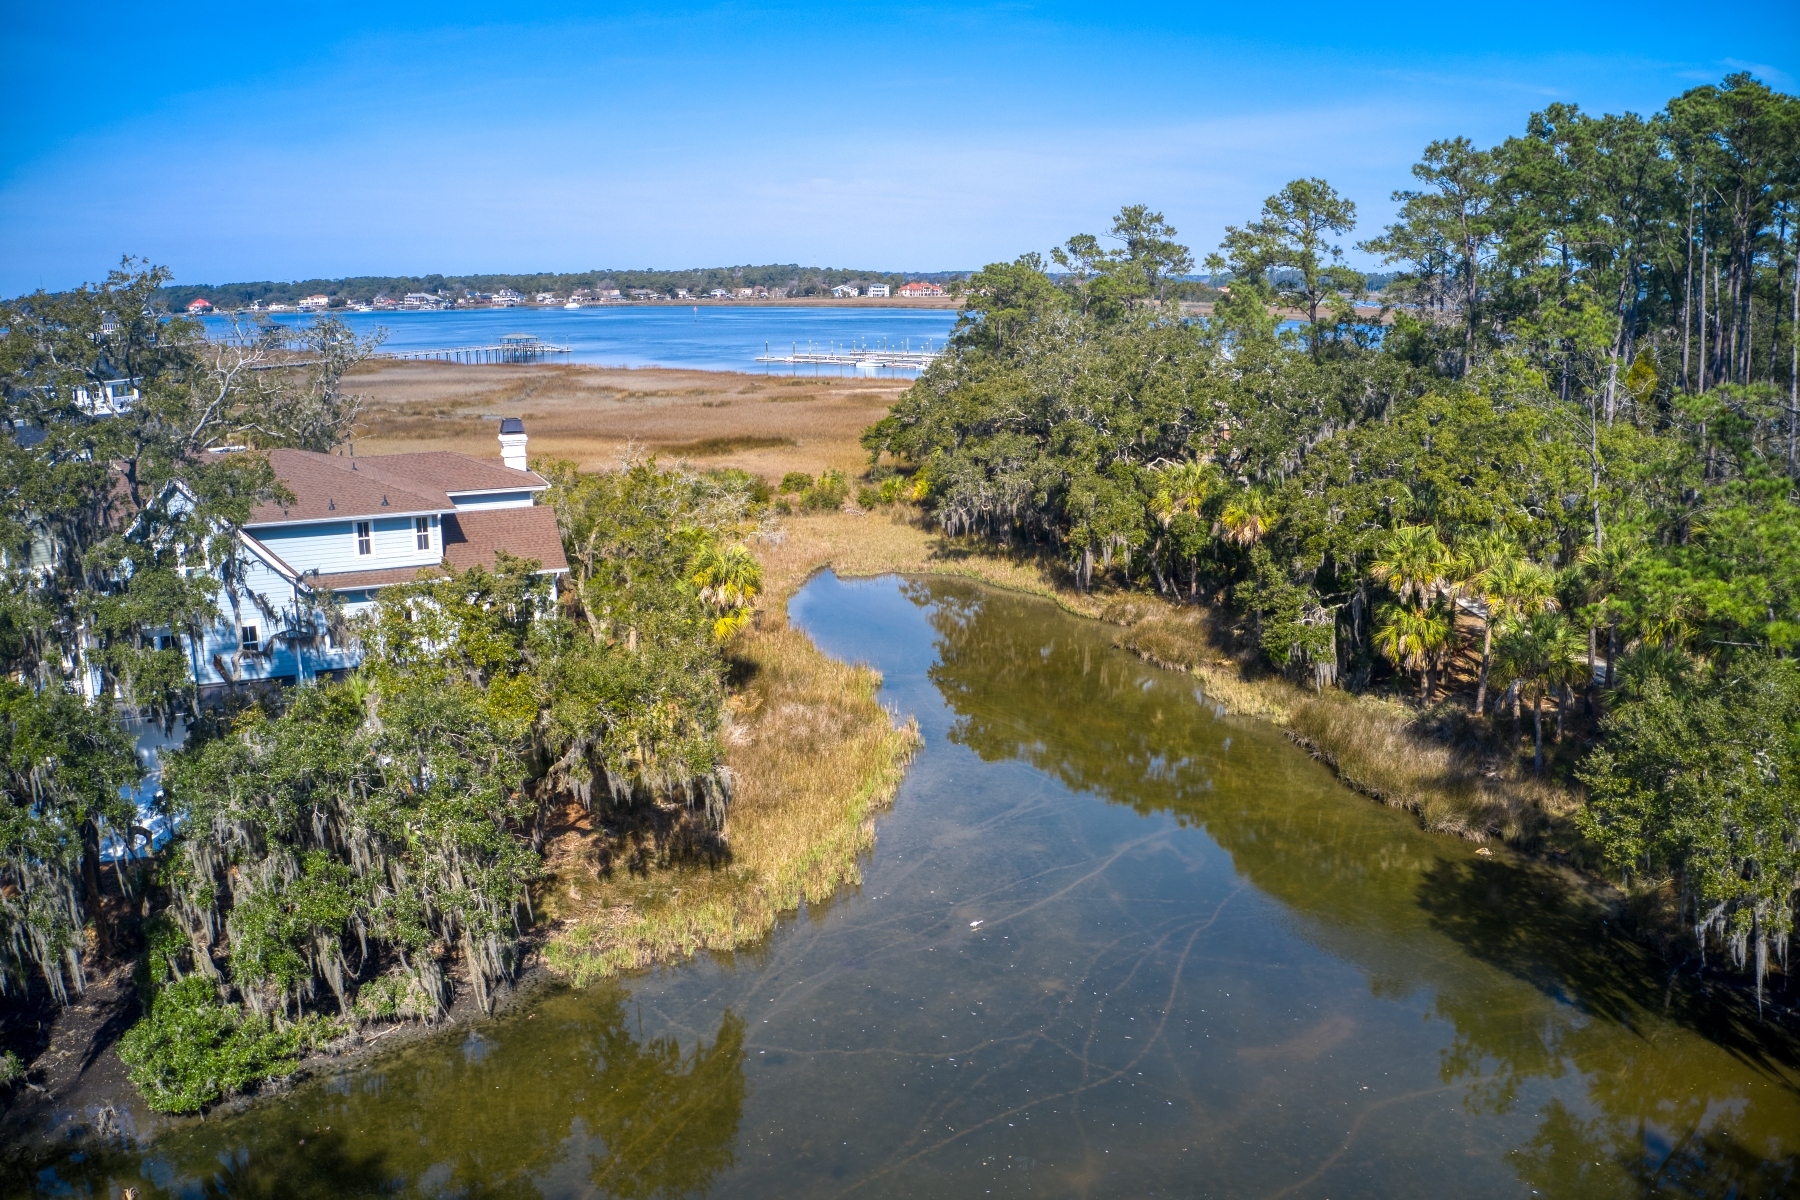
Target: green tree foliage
x=111, y=491
x=1285, y=254
x=192, y=1051
x=348, y=848
x=1700, y=779
x=1576, y=441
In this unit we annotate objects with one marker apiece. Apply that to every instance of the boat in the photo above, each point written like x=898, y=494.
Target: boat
x=573, y=304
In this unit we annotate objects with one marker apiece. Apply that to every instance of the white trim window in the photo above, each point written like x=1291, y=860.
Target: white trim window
x=422, y=532
x=365, y=539
x=249, y=638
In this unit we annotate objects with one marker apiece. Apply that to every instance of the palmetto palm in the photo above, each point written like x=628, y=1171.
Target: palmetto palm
x=1604, y=571
x=728, y=581
x=1482, y=561
x=1521, y=588
x=1413, y=564
x=1414, y=639
x=1539, y=652
x=1245, y=519
x=1189, y=485
x=1182, y=489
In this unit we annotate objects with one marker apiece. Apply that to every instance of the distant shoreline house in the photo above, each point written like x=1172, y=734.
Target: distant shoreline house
x=844, y=291
x=353, y=527
x=920, y=288
x=315, y=303
x=199, y=306
x=877, y=291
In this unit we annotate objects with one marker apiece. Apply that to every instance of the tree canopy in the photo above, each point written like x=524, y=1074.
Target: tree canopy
x=1568, y=449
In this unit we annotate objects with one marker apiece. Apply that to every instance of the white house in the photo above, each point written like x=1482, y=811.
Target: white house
x=844, y=291
x=108, y=399
x=315, y=303
x=353, y=527
x=199, y=306
x=878, y=289
x=920, y=287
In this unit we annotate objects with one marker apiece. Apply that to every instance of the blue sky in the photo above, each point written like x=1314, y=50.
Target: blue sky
x=325, y=139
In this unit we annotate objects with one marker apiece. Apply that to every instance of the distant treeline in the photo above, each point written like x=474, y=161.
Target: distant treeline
x=798, y=280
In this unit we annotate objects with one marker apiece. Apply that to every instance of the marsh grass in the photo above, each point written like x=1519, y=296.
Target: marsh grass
x=1436, y=764
x=814, y=756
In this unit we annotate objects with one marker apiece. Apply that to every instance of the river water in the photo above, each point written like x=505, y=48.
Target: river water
x=1110, y=942
x=704, y=337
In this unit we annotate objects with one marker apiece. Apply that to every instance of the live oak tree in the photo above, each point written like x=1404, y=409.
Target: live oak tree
x=117, y=525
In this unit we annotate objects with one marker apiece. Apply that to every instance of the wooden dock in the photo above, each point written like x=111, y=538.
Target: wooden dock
x=864, y=360
x=513, y=348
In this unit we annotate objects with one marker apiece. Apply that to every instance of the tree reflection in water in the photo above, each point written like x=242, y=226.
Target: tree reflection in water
x=569, y=1101
x=1692, y=1094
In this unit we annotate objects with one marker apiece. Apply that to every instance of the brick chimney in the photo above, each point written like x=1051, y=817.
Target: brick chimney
x=512, y=443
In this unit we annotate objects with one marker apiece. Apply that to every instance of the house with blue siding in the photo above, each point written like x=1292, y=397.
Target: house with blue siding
x=351, y=527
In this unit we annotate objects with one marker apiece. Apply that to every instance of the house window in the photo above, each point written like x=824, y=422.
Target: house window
x=365, y=542
x=248, y=637
x=422, y=529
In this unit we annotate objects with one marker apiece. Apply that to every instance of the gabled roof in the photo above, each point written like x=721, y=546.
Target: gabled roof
x=328, y=487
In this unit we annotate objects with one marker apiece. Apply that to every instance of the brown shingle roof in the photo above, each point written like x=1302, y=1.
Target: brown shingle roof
x=342, y=581
x=471, y=538
x=328, y=487
x=440, y=471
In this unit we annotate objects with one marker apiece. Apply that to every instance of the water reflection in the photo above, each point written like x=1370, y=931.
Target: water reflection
x=1110, y=943
x=566, y=1099
x=1690, y=1091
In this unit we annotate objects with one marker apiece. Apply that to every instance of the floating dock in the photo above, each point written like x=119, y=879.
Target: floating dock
x=864, y=359
x=513, y=348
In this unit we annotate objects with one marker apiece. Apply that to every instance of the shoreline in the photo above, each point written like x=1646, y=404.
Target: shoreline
x=576, y=949
x=923, y=303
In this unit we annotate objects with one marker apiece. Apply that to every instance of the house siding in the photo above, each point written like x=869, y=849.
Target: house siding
x=485, y=500
x=266, y=599
x=330, y=546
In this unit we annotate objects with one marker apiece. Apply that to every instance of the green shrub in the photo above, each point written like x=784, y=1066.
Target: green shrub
x=192, y=1051
x=828, y=494
x=755, y=486
x=11, y=1069
x=394, y=995
x=868, y=497
x=795, y=482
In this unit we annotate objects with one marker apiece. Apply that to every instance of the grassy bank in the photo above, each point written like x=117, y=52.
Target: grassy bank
x=1380, y=747
x=1383, y=748
x=814, y=756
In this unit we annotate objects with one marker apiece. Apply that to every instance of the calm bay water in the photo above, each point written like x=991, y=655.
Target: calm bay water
x=722, y=338
x=1110, y=943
